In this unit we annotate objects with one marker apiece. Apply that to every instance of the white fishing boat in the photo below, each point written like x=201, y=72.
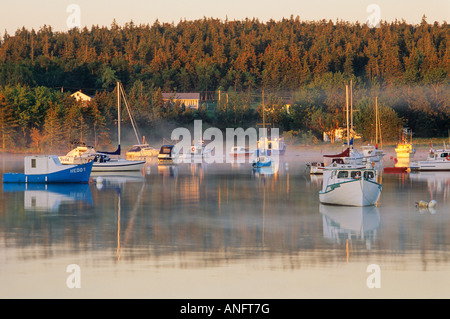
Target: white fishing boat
x=437, y=160
x=349, y=185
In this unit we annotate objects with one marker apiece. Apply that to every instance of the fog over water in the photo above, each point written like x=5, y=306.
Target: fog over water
x=222, y=231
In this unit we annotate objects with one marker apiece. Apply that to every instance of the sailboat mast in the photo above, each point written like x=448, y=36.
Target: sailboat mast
x=346, y=106
x=376, y=123
x=118, y=112
x=351, y=106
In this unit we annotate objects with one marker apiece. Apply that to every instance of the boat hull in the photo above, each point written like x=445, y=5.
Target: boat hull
x=71, y=174
x=358, y=192
x=431, y=166
x=118, y=166
x=261, y=164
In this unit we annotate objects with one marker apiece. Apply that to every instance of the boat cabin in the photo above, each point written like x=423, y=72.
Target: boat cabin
x=41, y=164
x=355, y=174
x=168, y=152
x=439, y=155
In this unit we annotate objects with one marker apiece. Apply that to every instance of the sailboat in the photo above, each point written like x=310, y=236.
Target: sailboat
x=349, y=155
x=371, y=152
x=102, y=160
x=350, y=184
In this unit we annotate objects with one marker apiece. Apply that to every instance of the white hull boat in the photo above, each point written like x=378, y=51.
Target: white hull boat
x=371, y=153
x=118, y=165
x=437, y=160
x=350, y=185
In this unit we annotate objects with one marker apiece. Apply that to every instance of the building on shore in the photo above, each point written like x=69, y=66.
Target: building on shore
x=191, y=100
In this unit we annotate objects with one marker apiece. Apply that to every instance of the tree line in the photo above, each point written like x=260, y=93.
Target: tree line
x=406, y=66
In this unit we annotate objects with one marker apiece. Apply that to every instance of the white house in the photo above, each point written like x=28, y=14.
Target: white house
x=79, y=96
x=191, y=100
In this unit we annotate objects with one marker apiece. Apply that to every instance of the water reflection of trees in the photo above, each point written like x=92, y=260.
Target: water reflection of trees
x=210, y=218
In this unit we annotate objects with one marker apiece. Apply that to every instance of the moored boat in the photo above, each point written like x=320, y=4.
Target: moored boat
x=437, y=160
x=404, y=148
x=262, y=161
x=350, y=185
x=104, y=163
x=238, y=151
x=273, y=145
x=48, y=169
x=78, y=155
x=371, y=153
x=142, y=151
x=168, y=154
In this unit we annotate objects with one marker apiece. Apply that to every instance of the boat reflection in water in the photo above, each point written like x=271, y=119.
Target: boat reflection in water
x=116, y=180
x=343, y=224
x=50, y=197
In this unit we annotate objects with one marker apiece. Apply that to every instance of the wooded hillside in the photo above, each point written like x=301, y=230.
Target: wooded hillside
x=406, y=66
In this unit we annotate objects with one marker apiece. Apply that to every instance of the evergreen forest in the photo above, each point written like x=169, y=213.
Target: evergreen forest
x=290, y=73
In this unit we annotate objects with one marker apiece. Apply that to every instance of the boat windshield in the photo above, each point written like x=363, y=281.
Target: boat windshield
x=444, y=154
x=368, y=175
x=165, y=150
x=355, y=174
x=342, y=174
x=56, y=160
x=135, y=148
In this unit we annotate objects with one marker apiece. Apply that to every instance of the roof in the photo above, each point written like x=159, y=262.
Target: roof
x=181, y=96
x=79, y=95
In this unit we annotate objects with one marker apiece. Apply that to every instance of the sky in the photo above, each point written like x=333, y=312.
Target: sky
x=62, y=14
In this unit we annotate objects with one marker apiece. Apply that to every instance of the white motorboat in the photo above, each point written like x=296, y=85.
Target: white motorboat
x=437, y=160
x=142, y=151
x=371, y=153
x=78, y=155
x=168, y=154
x=349, y=185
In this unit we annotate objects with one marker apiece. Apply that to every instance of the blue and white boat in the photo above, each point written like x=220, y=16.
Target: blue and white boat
x=262, y=161
x=48, y=169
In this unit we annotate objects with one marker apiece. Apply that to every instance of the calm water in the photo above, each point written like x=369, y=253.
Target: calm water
x=221, y=231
